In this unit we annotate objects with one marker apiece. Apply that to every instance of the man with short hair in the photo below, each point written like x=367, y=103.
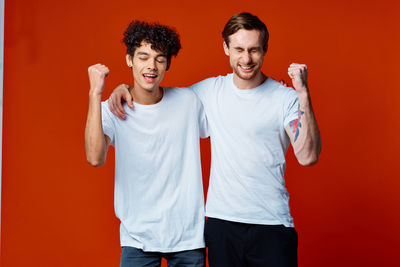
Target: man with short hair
x=252, y=119
x=158, y=183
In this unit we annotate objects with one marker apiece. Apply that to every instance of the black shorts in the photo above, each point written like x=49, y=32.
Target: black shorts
x=233, y=244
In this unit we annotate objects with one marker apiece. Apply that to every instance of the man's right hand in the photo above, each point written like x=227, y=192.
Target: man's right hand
x=97, y=77
x=118, y=96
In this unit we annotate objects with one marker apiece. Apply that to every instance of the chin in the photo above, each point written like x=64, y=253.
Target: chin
x=149, y=87
x=246, y=76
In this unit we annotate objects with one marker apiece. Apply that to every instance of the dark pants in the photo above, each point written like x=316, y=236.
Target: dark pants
x=133, y=257
x=232, y=244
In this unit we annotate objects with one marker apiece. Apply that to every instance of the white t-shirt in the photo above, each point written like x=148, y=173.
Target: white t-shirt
x=158, y=183
x=248, y=146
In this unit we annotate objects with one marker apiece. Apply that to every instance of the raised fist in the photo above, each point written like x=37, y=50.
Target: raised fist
x=97, y=76
x=298, y=74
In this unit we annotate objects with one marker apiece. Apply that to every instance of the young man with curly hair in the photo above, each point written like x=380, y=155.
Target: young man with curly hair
x=252, y=120
x=158, y=183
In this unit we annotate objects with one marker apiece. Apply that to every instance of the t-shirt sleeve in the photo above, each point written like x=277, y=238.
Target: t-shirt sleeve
x=291, y=107
x=107, y=122
x=202, y=88
x=203, y=124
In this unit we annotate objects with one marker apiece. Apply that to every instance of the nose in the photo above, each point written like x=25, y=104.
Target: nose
x=152, y=65
x=246, y=58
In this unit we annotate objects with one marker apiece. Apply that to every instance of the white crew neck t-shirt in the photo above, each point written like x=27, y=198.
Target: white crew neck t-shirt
x=248, y=146
x=158, y=194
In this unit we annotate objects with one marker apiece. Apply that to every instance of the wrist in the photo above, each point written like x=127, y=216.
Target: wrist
x=95, y=92
x=94, y=95
x=303, y=93
x=304, y=100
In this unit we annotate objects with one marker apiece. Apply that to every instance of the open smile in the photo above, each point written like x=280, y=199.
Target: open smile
x=247, y=68
x=149, y=77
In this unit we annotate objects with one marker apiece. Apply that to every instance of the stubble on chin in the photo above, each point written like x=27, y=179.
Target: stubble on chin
x=243, y=76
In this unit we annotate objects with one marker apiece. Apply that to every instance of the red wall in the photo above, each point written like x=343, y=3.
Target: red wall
x=58, y=211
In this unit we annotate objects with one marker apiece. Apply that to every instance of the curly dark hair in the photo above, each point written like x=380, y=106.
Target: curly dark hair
x=162, y=38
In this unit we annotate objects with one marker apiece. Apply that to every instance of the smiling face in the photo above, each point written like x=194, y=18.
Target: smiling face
x=246, y=54
x=148, y=67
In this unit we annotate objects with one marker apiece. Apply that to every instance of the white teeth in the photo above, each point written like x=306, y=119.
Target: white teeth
x=246, y=68
x=150, y=75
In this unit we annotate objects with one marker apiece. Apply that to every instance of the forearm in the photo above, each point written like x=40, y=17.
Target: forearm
x=95, y=140
x=307, y=140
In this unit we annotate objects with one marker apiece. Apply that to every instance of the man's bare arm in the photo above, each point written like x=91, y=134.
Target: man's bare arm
x=96, y=143
x=117, y=97
x=303, y=131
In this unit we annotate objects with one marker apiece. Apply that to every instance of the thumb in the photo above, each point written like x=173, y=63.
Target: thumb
x=128, y=99
x=291, y=75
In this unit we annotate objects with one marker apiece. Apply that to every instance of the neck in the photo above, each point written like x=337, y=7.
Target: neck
x=146, y=97
x=249, y=84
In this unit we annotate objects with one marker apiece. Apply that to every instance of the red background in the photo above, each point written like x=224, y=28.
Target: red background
x=58, y=211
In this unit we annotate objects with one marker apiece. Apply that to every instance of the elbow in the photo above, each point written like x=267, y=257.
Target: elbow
x=311, y=160
x=308, y=162
x=95, y=162
x=95, y=157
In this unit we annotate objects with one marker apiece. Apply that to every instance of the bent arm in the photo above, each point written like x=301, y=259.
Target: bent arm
x=304, y=134
x=120, y=94
x=96, y=142
x=303, y=131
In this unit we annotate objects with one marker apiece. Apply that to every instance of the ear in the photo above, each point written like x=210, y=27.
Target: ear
x=226, y=49
x=266, y=49
x=129, y=60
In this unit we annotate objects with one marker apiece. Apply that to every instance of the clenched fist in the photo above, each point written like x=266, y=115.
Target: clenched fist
x=97, y=76
x=298, y=74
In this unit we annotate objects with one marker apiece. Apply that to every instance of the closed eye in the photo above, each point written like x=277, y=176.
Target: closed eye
x=255, y=49
x=161, y=59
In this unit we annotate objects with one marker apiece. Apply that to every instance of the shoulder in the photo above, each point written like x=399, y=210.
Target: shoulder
x=208, y=87
x=104, y=104
x=106, y=115
x=104, y=107
x=106, y=110
x=279, y=90
x=180, y=94
x=213, y=82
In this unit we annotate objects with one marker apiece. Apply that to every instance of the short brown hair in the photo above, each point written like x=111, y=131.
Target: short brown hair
x=245, y=21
